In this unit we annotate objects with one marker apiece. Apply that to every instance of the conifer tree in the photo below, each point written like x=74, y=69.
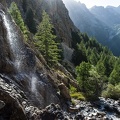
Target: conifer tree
x=44, y=40
x=83, y=74
x=15, y=12
x=30, y=20
x=115, y=74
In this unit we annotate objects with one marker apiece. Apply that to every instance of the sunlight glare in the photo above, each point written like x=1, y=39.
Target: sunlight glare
x=91, y=3
x=88, y=3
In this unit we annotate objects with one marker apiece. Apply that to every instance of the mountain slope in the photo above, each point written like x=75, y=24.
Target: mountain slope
x=99, y=22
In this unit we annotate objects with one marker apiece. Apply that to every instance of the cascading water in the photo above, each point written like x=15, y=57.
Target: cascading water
x=20, y=55
x=17, y=48
x=25, y=70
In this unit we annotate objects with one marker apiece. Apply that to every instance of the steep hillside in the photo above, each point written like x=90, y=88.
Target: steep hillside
x=86, y=21
x=99, y=22
x=58, y=14
x=27, y=84
x=37, y=87
x=111, y=17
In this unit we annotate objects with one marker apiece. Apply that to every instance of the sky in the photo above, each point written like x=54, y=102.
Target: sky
x=91, y=3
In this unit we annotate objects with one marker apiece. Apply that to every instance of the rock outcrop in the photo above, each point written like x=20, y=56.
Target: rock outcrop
x=28, y=85
x=58, y=14
x=19, y=65
x=63, y=25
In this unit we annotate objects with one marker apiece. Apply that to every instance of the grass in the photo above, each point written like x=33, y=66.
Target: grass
x=76, y=95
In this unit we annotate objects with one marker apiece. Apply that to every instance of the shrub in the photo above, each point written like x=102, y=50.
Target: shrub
x=78, y=96
x=112, y=91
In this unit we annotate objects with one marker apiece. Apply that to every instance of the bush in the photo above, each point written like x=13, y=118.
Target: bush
x=112, y=91
x=78, y=96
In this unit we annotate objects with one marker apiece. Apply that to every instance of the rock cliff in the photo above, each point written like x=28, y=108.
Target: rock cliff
x=58, y=14
x=23, y=78
x=27, y=84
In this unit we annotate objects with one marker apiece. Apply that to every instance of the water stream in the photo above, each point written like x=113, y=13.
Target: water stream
x=16, y=46
x=19, y=53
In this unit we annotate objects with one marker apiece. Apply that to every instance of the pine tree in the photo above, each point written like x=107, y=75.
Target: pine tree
x=89, y=80
x=30, y=20
x=15, y=12
x=100, y=67
x=82, y=74
x=44, y=40
x=115, y=74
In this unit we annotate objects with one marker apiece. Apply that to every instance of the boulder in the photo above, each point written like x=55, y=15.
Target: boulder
x=64, y=91
x=2, y=104
x=11, y=108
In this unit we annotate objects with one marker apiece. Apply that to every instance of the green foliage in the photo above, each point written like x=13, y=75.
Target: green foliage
x=112, y=91
x=106, y=66
x=83, y=74
x=115, y=75
x=75, y=39
x=44, y=40
x=95, y=84
x=76, y=95
x=15, y=12
x=89, y=80
x=100, y=68
x=79, y=54
x=89, y=50
x=30, y=20
x=24, y=5
x=73, y=89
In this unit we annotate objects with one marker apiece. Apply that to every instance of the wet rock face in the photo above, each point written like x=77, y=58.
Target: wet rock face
x=51, y=112
x=6, y=64
x=63, y=26
x=64, y=92
x=18, y=63
x=10, y=107
x=3, y=2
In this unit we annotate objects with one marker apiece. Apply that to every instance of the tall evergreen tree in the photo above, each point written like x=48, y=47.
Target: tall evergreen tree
x=89, y=80
x=82, y=74
x=115, y=74
x=30, y=20
x=44, y=40
x=15, y=12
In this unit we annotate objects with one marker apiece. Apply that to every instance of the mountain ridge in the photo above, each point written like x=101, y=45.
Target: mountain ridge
x=105, y=29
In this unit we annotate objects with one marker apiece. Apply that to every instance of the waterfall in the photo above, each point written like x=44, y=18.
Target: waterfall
x=25, y=70
x=16, y=46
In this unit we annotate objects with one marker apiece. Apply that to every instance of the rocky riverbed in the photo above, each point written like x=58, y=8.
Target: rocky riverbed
x=104, y=109
x=15, y=105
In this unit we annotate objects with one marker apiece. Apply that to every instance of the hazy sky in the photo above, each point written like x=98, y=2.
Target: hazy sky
x=90, y=3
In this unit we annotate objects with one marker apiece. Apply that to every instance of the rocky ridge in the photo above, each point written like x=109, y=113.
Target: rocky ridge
x=99, y=22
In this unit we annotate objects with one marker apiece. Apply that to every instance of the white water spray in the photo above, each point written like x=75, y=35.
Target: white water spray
x=33, y=83
x=14, y=43
x=18, y=51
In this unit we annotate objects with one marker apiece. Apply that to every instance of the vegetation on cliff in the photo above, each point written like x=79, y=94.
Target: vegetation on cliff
x=15, y=13
x=96, y=66
x=45, y=40
x=99, y=69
